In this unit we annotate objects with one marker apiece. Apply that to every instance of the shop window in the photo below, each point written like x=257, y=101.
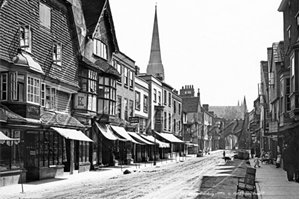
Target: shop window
x=45, y=16
x=25, y=38
x=57, y=54
x=4, y=86
x=11, y=152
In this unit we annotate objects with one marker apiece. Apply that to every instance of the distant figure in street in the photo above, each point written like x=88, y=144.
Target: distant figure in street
x=256, y=162
x=224, y=153
x=252, y=152
x=278, y=160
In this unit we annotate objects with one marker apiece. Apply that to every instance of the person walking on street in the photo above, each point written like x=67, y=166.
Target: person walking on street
x=252, y=152
x=278, y=160
x=224, y=154
x=256, y=162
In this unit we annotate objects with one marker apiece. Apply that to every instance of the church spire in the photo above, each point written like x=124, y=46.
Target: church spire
x=155, y=66
x=245, y=105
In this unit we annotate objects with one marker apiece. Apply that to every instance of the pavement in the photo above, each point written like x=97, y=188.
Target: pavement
x=272, y=183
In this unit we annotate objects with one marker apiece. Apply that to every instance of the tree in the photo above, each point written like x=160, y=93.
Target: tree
x=231, y=113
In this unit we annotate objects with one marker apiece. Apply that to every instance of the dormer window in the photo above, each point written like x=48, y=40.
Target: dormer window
x=25, y=38
x=57, y=53
x=100, y=49
x=45, y=16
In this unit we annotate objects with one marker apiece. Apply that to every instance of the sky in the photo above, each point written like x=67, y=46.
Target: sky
x=214, y=45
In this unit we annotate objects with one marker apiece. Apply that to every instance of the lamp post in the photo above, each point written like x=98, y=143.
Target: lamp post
x=154, y=162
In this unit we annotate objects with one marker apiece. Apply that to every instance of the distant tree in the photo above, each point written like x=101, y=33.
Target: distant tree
x=231, y=113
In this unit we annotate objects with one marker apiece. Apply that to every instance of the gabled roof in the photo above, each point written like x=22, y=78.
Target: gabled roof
x=191, y=104
x=92, y=10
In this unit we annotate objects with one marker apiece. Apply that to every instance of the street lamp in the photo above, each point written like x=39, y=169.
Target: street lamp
x=154, y=162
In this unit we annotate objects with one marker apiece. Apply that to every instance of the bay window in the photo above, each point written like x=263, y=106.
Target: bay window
x=4, y=86
x=48, y=96
x=88, y=80
x=33, y=90
x=106, y=96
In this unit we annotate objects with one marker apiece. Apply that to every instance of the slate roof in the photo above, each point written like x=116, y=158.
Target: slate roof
x=190, y=104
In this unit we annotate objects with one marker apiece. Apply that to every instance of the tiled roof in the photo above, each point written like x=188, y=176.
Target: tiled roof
x=191, y=104
x=102, y=66
x=92, y=10
x=60, y=120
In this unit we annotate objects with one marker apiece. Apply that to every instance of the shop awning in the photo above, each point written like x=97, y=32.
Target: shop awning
x=139, y=138
x=152, y=139
x=106, y=132
x=3, y=137
x=169, y=137
x=191, y=144
x=72, y=134
x=120, y=131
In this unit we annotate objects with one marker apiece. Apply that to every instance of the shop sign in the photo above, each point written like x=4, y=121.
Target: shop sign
x=273, y=127
x=134, y=119
x=33, y=111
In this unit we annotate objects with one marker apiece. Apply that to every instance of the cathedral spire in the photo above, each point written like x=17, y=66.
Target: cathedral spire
x=155, y=66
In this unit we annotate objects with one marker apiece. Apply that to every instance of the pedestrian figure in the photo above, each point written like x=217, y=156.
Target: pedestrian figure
x=252, y=152
x=256, y=162
x=224, y=154
x=278, y=160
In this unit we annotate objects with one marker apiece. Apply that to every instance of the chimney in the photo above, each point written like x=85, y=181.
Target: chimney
x=137, y=70
x=198, y=94
x=205, y=106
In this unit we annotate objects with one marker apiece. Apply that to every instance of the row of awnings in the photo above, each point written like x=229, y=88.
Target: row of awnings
x=112, y=132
